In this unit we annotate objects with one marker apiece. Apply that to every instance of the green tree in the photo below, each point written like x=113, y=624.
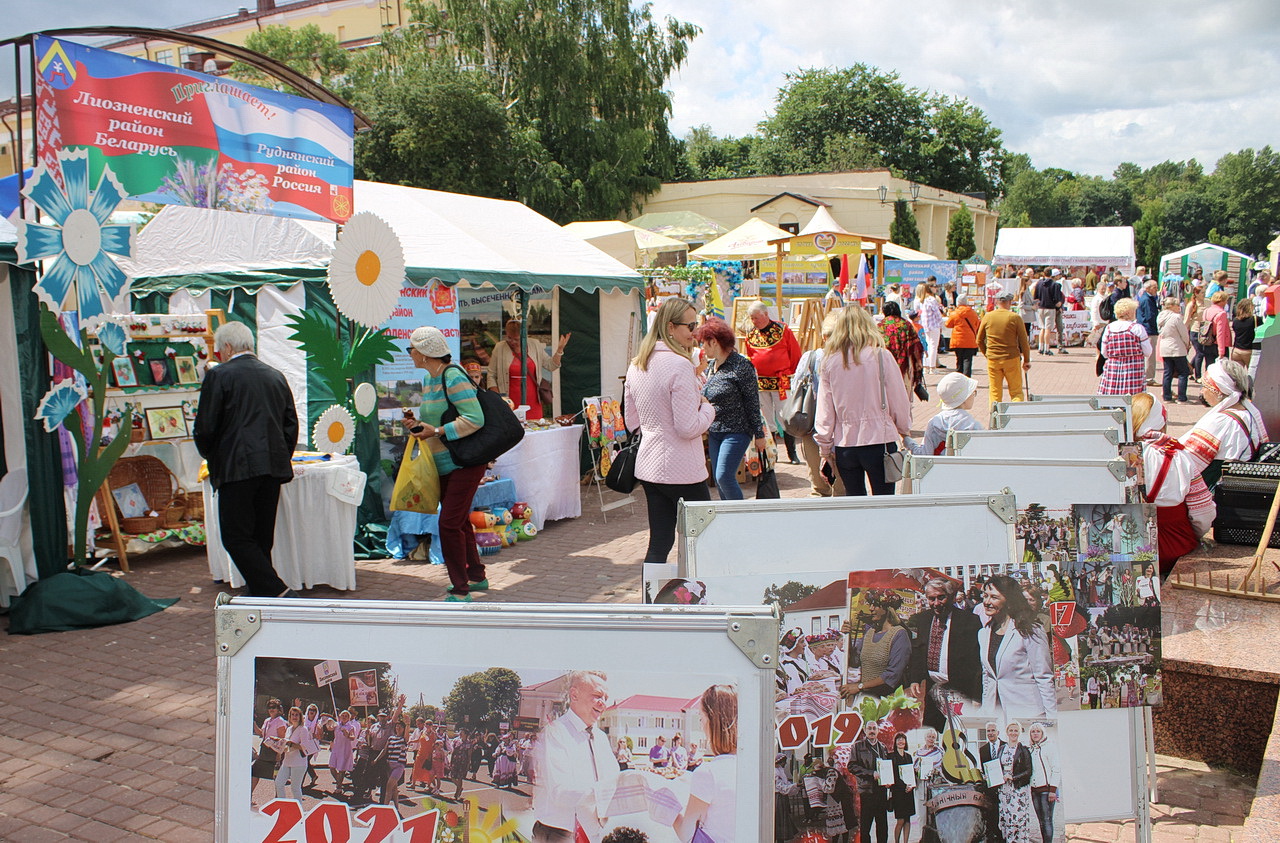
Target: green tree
x=1148, y=233
x=306, y=49
x=944, y=142
x=903, y=230
x=1247, y=183
x=705, y=156
x=960, y=242
x=787, y=593
x=1188, y=217
x=484, y=698
x=589, y=78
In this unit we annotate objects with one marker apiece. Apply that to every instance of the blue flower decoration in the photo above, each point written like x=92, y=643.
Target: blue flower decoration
x=112, y=336
x=80, y=241
x=58, y=403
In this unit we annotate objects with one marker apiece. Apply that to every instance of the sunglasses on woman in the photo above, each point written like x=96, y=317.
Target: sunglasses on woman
x=692, y=326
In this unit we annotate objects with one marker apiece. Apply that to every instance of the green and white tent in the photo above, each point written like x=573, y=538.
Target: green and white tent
x=1210, y=258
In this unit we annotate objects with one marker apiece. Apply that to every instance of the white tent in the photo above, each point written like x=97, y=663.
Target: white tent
x=823, y=221
x=628, y=244
x=746, y=242
x=894, y=252
x=445, y=235
x=1102, y=246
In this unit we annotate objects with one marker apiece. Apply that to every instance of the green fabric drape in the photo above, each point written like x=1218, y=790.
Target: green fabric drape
x=580, y=368
x=44, y=460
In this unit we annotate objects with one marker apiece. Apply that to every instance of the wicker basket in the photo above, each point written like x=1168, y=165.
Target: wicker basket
x=194, y=502
x=141, y=524
x=175, y=513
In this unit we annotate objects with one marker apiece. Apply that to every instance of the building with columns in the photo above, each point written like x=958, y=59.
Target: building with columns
x=860, y=200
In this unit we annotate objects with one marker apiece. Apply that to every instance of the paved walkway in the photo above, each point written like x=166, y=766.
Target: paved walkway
x=108, y=734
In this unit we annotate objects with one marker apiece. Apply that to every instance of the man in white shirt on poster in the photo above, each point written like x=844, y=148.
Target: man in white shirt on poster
x=576, y=770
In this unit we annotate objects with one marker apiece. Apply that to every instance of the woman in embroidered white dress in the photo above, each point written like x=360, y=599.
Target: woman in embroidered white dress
x=1233, y=429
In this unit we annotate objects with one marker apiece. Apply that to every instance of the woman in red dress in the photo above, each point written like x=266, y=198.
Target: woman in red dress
x=506, y=368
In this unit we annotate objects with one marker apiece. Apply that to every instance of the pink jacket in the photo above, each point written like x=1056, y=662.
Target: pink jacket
x=849, y=410
x=666, y=403
x=1216, y=314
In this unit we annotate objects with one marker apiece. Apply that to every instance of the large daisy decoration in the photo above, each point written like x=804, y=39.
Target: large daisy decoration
x=366, y=270
x=79, y=242
x=334, y=430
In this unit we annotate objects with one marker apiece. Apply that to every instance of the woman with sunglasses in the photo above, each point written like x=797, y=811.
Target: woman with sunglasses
x=662, y=397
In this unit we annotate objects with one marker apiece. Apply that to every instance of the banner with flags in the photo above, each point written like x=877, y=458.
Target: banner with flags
x=178, y=137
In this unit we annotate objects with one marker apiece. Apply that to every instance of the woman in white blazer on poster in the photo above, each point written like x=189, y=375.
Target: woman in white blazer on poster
x=1017, y=663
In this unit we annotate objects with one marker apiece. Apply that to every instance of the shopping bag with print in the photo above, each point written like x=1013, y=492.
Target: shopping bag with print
x=417, y=486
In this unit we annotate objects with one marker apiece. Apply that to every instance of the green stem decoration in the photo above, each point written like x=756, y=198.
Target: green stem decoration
x=93, y=461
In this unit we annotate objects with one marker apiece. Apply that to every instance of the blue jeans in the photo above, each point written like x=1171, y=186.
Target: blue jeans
x=1044, y=813
x=726, y=450
x=863, y=464
x=1175, y=367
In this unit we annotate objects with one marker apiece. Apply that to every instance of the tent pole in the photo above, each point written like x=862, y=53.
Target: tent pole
x=779, y=280
x=524, y=346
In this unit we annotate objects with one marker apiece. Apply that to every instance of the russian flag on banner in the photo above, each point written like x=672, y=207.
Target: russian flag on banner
x=863, y=285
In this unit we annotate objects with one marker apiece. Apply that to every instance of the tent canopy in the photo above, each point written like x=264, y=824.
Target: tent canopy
x=746, y=242
x=1101, y=246
x=685, y=226
x=445, y=235
x=823, y=221
x=626, y=243
x=1204, y=247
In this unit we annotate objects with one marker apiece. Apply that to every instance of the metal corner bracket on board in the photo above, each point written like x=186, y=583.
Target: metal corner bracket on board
x=1118, y=468
x=756, y=637
x=1004, y=506
x=233, y=628
x=695, y=521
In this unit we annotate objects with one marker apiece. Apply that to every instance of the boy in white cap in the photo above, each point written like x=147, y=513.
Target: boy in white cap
x=956, y=393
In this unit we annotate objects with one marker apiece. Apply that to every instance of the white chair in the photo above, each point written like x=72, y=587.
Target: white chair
x=13, y=577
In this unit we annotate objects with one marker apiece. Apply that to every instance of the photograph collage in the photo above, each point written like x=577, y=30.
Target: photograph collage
x=926, y=701
x=499, y=754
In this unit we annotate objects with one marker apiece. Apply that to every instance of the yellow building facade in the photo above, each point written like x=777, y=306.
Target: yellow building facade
x=860, y=200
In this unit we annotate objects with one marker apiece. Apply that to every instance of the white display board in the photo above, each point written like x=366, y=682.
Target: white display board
x=1117, y=420
x=1115, y=745
x=1096, y=401
x=1067, y=404
x=415, y=645
x=1022, y=444
x=1054, y=484
x=846, y=533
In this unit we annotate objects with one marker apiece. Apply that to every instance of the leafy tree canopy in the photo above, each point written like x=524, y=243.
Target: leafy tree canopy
x=485, y=698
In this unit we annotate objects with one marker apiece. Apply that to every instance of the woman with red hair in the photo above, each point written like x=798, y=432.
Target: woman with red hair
x=732, y=389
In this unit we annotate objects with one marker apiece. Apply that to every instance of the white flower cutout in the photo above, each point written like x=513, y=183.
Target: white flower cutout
x=366, y=398
x=366, y=270
x=334, y=430
x=80, y=241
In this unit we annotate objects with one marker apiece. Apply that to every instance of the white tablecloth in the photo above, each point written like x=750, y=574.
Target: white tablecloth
x=314, y=530
x=545, y=468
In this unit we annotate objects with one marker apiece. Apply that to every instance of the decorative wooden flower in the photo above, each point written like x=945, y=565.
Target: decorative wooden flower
x=80, y=241
x=59, y=402
x=366, y=270
x=334, y=430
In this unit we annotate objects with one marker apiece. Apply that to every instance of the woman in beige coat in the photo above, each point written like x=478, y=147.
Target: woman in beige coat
x=1174, y=345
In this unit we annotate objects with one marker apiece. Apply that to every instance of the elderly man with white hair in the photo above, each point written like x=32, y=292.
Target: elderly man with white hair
x=247, y=428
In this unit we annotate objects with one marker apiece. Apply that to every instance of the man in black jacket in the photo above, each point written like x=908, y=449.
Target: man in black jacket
x=990, y=751
x=246, y=428
x=944, y=651
x=1049, y=300
x=863, y=762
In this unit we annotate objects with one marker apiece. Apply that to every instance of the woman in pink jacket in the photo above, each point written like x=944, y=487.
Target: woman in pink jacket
x=862, y=404
x=663, y=398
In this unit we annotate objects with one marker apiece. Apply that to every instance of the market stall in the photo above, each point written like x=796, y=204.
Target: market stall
x=1208, y=258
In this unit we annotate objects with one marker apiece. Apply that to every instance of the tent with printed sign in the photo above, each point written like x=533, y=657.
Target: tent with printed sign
x=686, y=226
x=1083, y=246
x=1210, y=258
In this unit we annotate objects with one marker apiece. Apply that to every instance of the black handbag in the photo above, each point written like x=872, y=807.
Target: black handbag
x=767, y=485
x=500, y=432
x=622, y=470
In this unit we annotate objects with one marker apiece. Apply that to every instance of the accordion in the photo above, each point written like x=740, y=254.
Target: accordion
x=1243, y=497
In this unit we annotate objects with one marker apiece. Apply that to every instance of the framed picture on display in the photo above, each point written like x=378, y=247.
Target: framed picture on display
x=166, y=422
x=122, y=370
x=187, y=370
x=161, y=374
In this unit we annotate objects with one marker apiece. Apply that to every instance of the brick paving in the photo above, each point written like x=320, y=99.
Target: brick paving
x=108, y=734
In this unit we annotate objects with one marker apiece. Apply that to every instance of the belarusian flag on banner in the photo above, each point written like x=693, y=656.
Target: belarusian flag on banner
x=579, y=836
x=843, y=282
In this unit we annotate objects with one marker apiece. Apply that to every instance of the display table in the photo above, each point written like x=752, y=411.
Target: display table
x=545, y=468
x=314, y=527
x=498, y=493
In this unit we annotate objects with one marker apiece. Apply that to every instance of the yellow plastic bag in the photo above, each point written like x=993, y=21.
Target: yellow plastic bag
x=417, y=486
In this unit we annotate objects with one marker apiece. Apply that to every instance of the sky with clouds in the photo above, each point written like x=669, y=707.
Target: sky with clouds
x=1077, y=84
